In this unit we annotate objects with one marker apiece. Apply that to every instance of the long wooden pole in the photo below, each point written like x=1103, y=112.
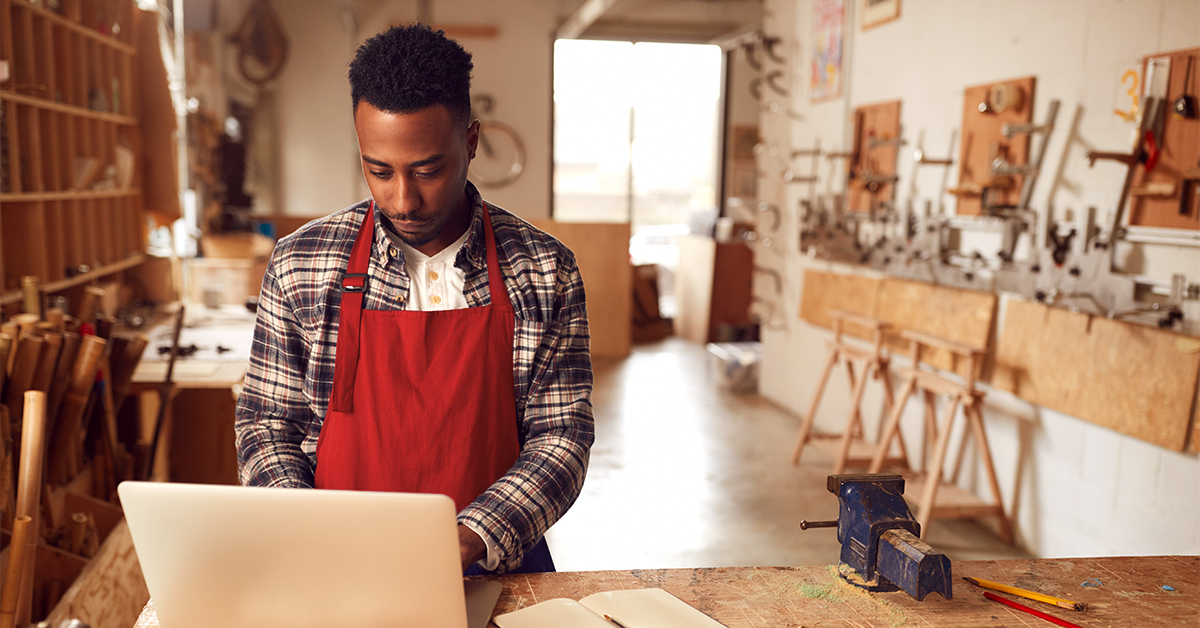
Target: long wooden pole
x=62, y=377
x=164, y=396
x=44, y=375
x=12, y=582
x=65, y=443
x=29, y=494
x=29, y=353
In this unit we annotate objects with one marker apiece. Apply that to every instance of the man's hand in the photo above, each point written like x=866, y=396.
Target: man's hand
x=471, y=548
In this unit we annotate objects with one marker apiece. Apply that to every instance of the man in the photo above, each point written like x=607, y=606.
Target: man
x=424, y=340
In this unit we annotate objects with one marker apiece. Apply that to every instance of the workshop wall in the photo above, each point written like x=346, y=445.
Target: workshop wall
x=306, y=110
x=1072, y=488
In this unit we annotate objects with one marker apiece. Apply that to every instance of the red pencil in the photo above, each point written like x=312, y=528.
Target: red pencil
x=1021, y=607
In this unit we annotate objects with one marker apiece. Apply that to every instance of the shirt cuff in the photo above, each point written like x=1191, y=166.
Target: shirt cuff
x=492, y=560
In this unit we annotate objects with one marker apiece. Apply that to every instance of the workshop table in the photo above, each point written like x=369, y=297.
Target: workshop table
x=1130, y=593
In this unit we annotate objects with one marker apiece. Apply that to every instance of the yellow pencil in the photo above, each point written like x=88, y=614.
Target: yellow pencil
x=1031, y=595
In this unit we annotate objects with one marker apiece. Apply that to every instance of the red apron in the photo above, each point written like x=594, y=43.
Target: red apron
x=422, y=402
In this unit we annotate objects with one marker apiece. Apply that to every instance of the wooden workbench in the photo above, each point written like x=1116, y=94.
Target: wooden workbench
x=1130, y=594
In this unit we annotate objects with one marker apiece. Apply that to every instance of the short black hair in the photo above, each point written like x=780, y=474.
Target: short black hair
x=410, y=67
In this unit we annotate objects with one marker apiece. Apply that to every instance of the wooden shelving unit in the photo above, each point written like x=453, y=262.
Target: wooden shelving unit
x=71, y=208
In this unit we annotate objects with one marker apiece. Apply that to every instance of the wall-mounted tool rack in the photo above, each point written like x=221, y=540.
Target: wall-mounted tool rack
x=1168, y=195
x=70, y=204
x=871, y=179
x=986, y=110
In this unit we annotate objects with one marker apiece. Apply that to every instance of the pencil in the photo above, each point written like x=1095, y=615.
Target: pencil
x=615, y=622
x=1021, y=607
x=1031, y=595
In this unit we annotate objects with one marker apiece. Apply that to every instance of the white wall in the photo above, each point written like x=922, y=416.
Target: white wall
x=1074, y=488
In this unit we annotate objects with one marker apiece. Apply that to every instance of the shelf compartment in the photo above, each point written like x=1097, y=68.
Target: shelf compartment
x=90, y=33
x=14, y=296
x=43, y=103
x=68, y=195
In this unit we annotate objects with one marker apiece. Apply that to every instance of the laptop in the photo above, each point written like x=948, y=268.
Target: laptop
x=235, y=556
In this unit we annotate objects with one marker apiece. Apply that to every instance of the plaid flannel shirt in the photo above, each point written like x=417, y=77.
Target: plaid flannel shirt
x=290, y=379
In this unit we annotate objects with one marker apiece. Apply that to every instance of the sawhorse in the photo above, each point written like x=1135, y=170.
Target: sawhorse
x=853, y=450
x=959, y=504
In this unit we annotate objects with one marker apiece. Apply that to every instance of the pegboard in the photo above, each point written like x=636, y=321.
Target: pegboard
x=1130, y=378
x=983, y=140
x=878, y=122
x=1178, y=164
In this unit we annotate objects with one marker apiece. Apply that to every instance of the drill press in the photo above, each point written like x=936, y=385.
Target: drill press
x=881, y=545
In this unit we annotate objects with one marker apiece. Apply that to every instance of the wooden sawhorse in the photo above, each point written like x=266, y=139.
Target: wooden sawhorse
x=853, y=450
x=956, y=503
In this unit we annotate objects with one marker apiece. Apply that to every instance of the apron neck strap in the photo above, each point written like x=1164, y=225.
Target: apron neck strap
x=495, y=279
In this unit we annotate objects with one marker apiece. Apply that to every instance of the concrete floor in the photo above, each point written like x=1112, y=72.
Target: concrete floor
x=685, y=473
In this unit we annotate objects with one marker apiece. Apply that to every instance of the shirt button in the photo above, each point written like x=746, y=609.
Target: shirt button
x=393, y=251
x=435, y=299
x=433, y=276
x=400, y=297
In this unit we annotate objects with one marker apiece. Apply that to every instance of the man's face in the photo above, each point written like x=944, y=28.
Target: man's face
x=416, y=167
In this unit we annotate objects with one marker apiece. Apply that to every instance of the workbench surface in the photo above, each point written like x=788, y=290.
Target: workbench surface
x=1130, y=593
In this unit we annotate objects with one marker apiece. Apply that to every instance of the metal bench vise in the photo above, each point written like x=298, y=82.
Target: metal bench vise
x=881, y=545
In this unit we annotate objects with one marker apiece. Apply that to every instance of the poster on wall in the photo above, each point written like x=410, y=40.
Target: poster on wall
x=876, y=12
x=826, y=77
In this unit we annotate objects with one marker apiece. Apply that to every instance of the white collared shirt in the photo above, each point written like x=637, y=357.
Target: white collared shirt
x=435, y=283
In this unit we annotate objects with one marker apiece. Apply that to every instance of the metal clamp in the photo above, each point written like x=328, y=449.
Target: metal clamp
x=875, y=142
x=1010, y=129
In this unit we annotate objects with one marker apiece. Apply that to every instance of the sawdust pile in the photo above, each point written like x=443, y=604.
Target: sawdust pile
x=857, y=601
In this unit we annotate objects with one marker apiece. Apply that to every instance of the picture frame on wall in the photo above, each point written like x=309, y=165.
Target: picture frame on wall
x=876, y=12
x=825, y=73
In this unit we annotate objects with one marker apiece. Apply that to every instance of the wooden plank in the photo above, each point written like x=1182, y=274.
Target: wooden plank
x=63, y=108
x=1133, y=379
x=957, y=315
x=853, y=294
x=873, y=122
x=693, y=287
x=602, y=254
x=1180, y=151
x=68, y=195
x=983, y=141
x=952, y=501
x=110, y=592
x=768, y=597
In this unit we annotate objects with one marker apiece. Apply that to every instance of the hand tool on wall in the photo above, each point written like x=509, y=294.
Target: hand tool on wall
x=1141, y=153
x=1184, y=107
x=65, y=443
x=881, y=548
x=164, y=397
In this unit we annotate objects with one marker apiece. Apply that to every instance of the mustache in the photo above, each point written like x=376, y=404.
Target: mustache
x=402, y=217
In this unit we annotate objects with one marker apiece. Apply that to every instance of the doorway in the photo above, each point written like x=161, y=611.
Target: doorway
x=637, y=130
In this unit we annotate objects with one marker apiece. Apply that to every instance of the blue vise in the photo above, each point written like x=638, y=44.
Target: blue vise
x=881, y=545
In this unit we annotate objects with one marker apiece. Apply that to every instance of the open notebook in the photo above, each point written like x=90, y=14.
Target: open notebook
x=634, y=608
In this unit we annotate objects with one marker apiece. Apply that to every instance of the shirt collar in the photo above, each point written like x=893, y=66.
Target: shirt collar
x=472, y=252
